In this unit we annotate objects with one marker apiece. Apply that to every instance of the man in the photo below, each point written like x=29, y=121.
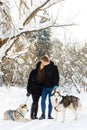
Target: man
x=50, y=79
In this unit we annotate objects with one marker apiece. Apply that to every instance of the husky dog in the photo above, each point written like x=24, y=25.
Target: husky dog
x=18, y=114
x=61, y=103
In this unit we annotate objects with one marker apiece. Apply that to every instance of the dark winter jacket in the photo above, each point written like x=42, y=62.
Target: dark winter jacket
x=51, y=75
x=34, y=86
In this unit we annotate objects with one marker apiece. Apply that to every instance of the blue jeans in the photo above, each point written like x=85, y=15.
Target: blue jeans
x=45, y=92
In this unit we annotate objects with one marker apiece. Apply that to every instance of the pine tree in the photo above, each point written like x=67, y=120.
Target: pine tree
x=43, y=46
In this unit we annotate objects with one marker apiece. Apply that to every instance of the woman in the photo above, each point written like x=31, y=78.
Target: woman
x=34, y=88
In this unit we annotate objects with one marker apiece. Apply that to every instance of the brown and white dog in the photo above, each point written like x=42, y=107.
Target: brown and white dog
x=18, y=114
x=60, y=103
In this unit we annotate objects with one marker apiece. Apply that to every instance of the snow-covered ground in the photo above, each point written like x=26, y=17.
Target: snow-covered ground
x=13, y=97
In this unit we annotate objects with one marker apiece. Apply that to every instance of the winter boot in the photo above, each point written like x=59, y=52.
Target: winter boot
x=42, y=117
x=34, y=109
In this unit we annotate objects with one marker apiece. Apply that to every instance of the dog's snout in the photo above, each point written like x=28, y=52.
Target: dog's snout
x=27, y=110
x=56, y=99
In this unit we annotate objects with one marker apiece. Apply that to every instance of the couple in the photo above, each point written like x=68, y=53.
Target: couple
x=41, y=83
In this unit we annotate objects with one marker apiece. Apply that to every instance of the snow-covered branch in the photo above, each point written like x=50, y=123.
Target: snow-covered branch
x=26, y=24
x=5, y=47
x=76, y=85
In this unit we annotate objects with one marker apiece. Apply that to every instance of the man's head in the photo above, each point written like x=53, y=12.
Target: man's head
x=45, y=60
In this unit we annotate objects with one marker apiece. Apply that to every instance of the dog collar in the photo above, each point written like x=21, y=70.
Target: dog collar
x=20, y=113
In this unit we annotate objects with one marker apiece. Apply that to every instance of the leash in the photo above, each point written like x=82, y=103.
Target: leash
x=26, y=100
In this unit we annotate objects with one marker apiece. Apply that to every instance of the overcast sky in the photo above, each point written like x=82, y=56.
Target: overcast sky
x=74, y=11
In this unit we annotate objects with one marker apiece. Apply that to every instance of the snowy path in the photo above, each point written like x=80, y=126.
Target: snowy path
x=16, y=96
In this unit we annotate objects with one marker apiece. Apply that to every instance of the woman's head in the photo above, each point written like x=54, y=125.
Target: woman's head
x=39, y=65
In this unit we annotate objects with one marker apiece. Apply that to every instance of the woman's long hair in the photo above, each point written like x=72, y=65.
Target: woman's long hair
x=40, y=72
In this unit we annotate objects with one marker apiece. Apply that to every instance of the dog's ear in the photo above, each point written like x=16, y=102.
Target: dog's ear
x=24, y=105
x=59, y=94
x=21, y=106
x=53, y=92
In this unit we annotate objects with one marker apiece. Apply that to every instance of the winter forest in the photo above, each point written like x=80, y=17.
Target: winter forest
x=26, y=29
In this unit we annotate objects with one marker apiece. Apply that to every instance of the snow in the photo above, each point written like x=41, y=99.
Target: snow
x=11, y=98
x=1, y=73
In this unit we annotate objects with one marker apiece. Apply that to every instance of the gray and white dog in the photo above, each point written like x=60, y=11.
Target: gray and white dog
x=60, y=103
